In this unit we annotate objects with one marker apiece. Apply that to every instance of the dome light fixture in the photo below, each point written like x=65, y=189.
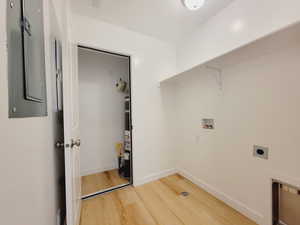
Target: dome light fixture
x=193, y=4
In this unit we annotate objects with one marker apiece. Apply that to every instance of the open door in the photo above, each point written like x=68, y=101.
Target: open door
x=71, y=137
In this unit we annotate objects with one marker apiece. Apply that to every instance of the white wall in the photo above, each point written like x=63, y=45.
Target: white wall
x=259, y=104
x=29, y=163
x=101, y=108
x=152, y=153
x=238, y=24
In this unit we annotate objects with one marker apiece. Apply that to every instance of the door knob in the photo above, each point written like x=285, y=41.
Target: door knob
x=59, y=144
x=75, y=143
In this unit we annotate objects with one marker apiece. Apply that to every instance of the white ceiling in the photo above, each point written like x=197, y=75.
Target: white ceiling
x=167, y=20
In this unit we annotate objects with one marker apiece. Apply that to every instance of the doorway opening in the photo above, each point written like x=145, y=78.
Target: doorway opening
x=285, y=203
x=105, y=120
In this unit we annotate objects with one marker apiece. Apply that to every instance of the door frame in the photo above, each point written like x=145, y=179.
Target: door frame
x=84, y=46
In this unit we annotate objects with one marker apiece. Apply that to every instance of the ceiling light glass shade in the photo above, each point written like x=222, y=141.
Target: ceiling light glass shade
x=193, y=4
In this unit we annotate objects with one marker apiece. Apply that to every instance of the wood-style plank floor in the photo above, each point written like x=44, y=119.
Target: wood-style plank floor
x=100, y=181
x=160, y=203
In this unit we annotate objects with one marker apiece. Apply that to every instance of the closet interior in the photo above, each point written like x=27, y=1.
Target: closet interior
x=105, y=120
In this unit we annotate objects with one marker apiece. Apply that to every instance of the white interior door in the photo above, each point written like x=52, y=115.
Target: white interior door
x=72, y=137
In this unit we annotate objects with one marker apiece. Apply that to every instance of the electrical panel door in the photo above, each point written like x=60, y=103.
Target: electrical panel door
x=26, y=58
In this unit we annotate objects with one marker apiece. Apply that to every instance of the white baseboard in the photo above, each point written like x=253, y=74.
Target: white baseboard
x=154, y=176
x=98, y=170
x=235, y=204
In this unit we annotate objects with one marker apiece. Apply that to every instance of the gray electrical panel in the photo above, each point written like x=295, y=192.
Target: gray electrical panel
x=26, y=58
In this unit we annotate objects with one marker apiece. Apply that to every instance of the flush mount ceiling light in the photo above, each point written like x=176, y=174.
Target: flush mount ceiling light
x=193, y=4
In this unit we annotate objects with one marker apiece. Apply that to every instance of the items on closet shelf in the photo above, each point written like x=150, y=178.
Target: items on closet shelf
x=119, y=149
x=122, y=86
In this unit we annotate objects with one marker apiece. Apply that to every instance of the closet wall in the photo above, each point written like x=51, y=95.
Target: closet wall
x=258, y=103
x=101, y=109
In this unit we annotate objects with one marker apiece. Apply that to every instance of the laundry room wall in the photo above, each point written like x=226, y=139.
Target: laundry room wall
x=30, y=165
x=255, y=103
x=152, y=150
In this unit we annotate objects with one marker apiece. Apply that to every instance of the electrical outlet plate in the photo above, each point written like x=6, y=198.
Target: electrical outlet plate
x=208, y=124
x=261, y=152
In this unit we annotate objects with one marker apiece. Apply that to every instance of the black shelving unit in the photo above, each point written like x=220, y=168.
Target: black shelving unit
x=124, y=161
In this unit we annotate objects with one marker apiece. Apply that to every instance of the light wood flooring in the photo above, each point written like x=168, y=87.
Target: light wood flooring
x=100, y=181
x=160, y=203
